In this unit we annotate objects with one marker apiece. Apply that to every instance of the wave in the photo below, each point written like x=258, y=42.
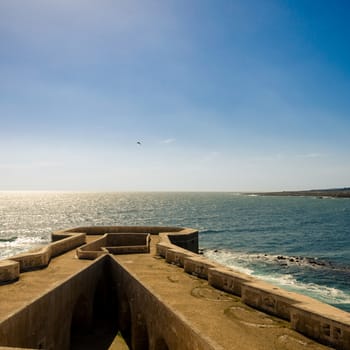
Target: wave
x=210, y=231
x=10, y=239
x=15, y=245
x=329, y=295
x=228, y=258
x=226, y=255
x=286, y=272
x=24, y=240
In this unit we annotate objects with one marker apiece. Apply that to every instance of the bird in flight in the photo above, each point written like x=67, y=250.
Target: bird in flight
x=139, y=143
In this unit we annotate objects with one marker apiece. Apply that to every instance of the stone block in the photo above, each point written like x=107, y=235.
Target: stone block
x=268, y=298
x=162, y=248
x=198, y=266
x=9, y=271
x=328, y=325
x=33, y=260
x=227, y=280
x=177, y=256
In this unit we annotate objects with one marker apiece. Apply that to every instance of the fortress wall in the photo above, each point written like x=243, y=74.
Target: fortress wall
x=187, y=239
x=324, y=323
x=163, y=247
x=148, y=322
x=101, y=230
x=92, y=250
x=126, y=239
x=176, y=245
x=310, y=320
x=64, y=245
x=115, y=243
x=227, y=280
x=177, y=256
x=143, y=316
x=34, y=259
x=198, y=266
x=39, y=258
x=65, y=240
x=46, y=322
x=9, y=271
x=267, y=298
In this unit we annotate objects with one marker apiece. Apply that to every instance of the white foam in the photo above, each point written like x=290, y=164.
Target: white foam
x=20, y=244
x=239, y=262
x=229, y=259
x=324, y=293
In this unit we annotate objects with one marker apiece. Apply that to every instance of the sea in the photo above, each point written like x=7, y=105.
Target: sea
x=301, y=244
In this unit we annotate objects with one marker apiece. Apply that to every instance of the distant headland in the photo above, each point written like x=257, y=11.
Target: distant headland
x=321, y=193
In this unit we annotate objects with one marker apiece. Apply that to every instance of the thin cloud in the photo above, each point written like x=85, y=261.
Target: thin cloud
x=19, y=166
x=168, y=141
x=280, y=156
x=311, y=155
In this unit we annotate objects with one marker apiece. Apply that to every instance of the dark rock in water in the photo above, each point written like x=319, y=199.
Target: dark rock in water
x=281, y=257
x=291, y=260
x=215, y=251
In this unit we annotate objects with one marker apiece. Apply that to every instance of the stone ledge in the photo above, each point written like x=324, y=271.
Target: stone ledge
x=177, y=256
x=227, y=280
x=116, y=243
x=322, y=322
x=198, y=266
x=39, y=258
x=65, y=240
x=9, y=271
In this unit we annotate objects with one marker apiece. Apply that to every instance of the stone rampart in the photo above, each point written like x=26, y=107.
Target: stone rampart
x=47, y=321
x=316, y=320
x=148, y=322
x=326, y=324
x=39, y=258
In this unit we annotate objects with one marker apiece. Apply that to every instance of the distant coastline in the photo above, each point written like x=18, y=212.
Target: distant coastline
x=324, y=193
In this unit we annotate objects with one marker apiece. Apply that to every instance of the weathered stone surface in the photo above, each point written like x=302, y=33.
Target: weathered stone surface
x=156, y=305
x=9, y=271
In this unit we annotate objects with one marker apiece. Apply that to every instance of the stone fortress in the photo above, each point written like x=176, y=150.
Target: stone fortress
x=140, y=288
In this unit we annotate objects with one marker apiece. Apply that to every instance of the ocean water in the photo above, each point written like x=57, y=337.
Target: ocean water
x=298, y=243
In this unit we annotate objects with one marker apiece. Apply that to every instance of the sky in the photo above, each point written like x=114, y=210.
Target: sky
x=223, y=95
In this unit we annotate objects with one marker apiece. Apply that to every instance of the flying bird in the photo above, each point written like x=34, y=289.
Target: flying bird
x=139, y=143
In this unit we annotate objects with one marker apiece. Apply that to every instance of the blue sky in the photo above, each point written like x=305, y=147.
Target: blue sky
x=224, y=95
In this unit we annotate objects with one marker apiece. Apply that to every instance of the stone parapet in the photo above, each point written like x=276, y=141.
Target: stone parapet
x=228, y=280
x=116, y=243
x=33, y=260
x=268, y=298
x=177, y=256
x=198, y=266
x=9, y=271
x=324, y=323
x=39, y=258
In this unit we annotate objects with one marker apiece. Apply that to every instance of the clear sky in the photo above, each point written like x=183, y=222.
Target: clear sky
x=244, y=95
